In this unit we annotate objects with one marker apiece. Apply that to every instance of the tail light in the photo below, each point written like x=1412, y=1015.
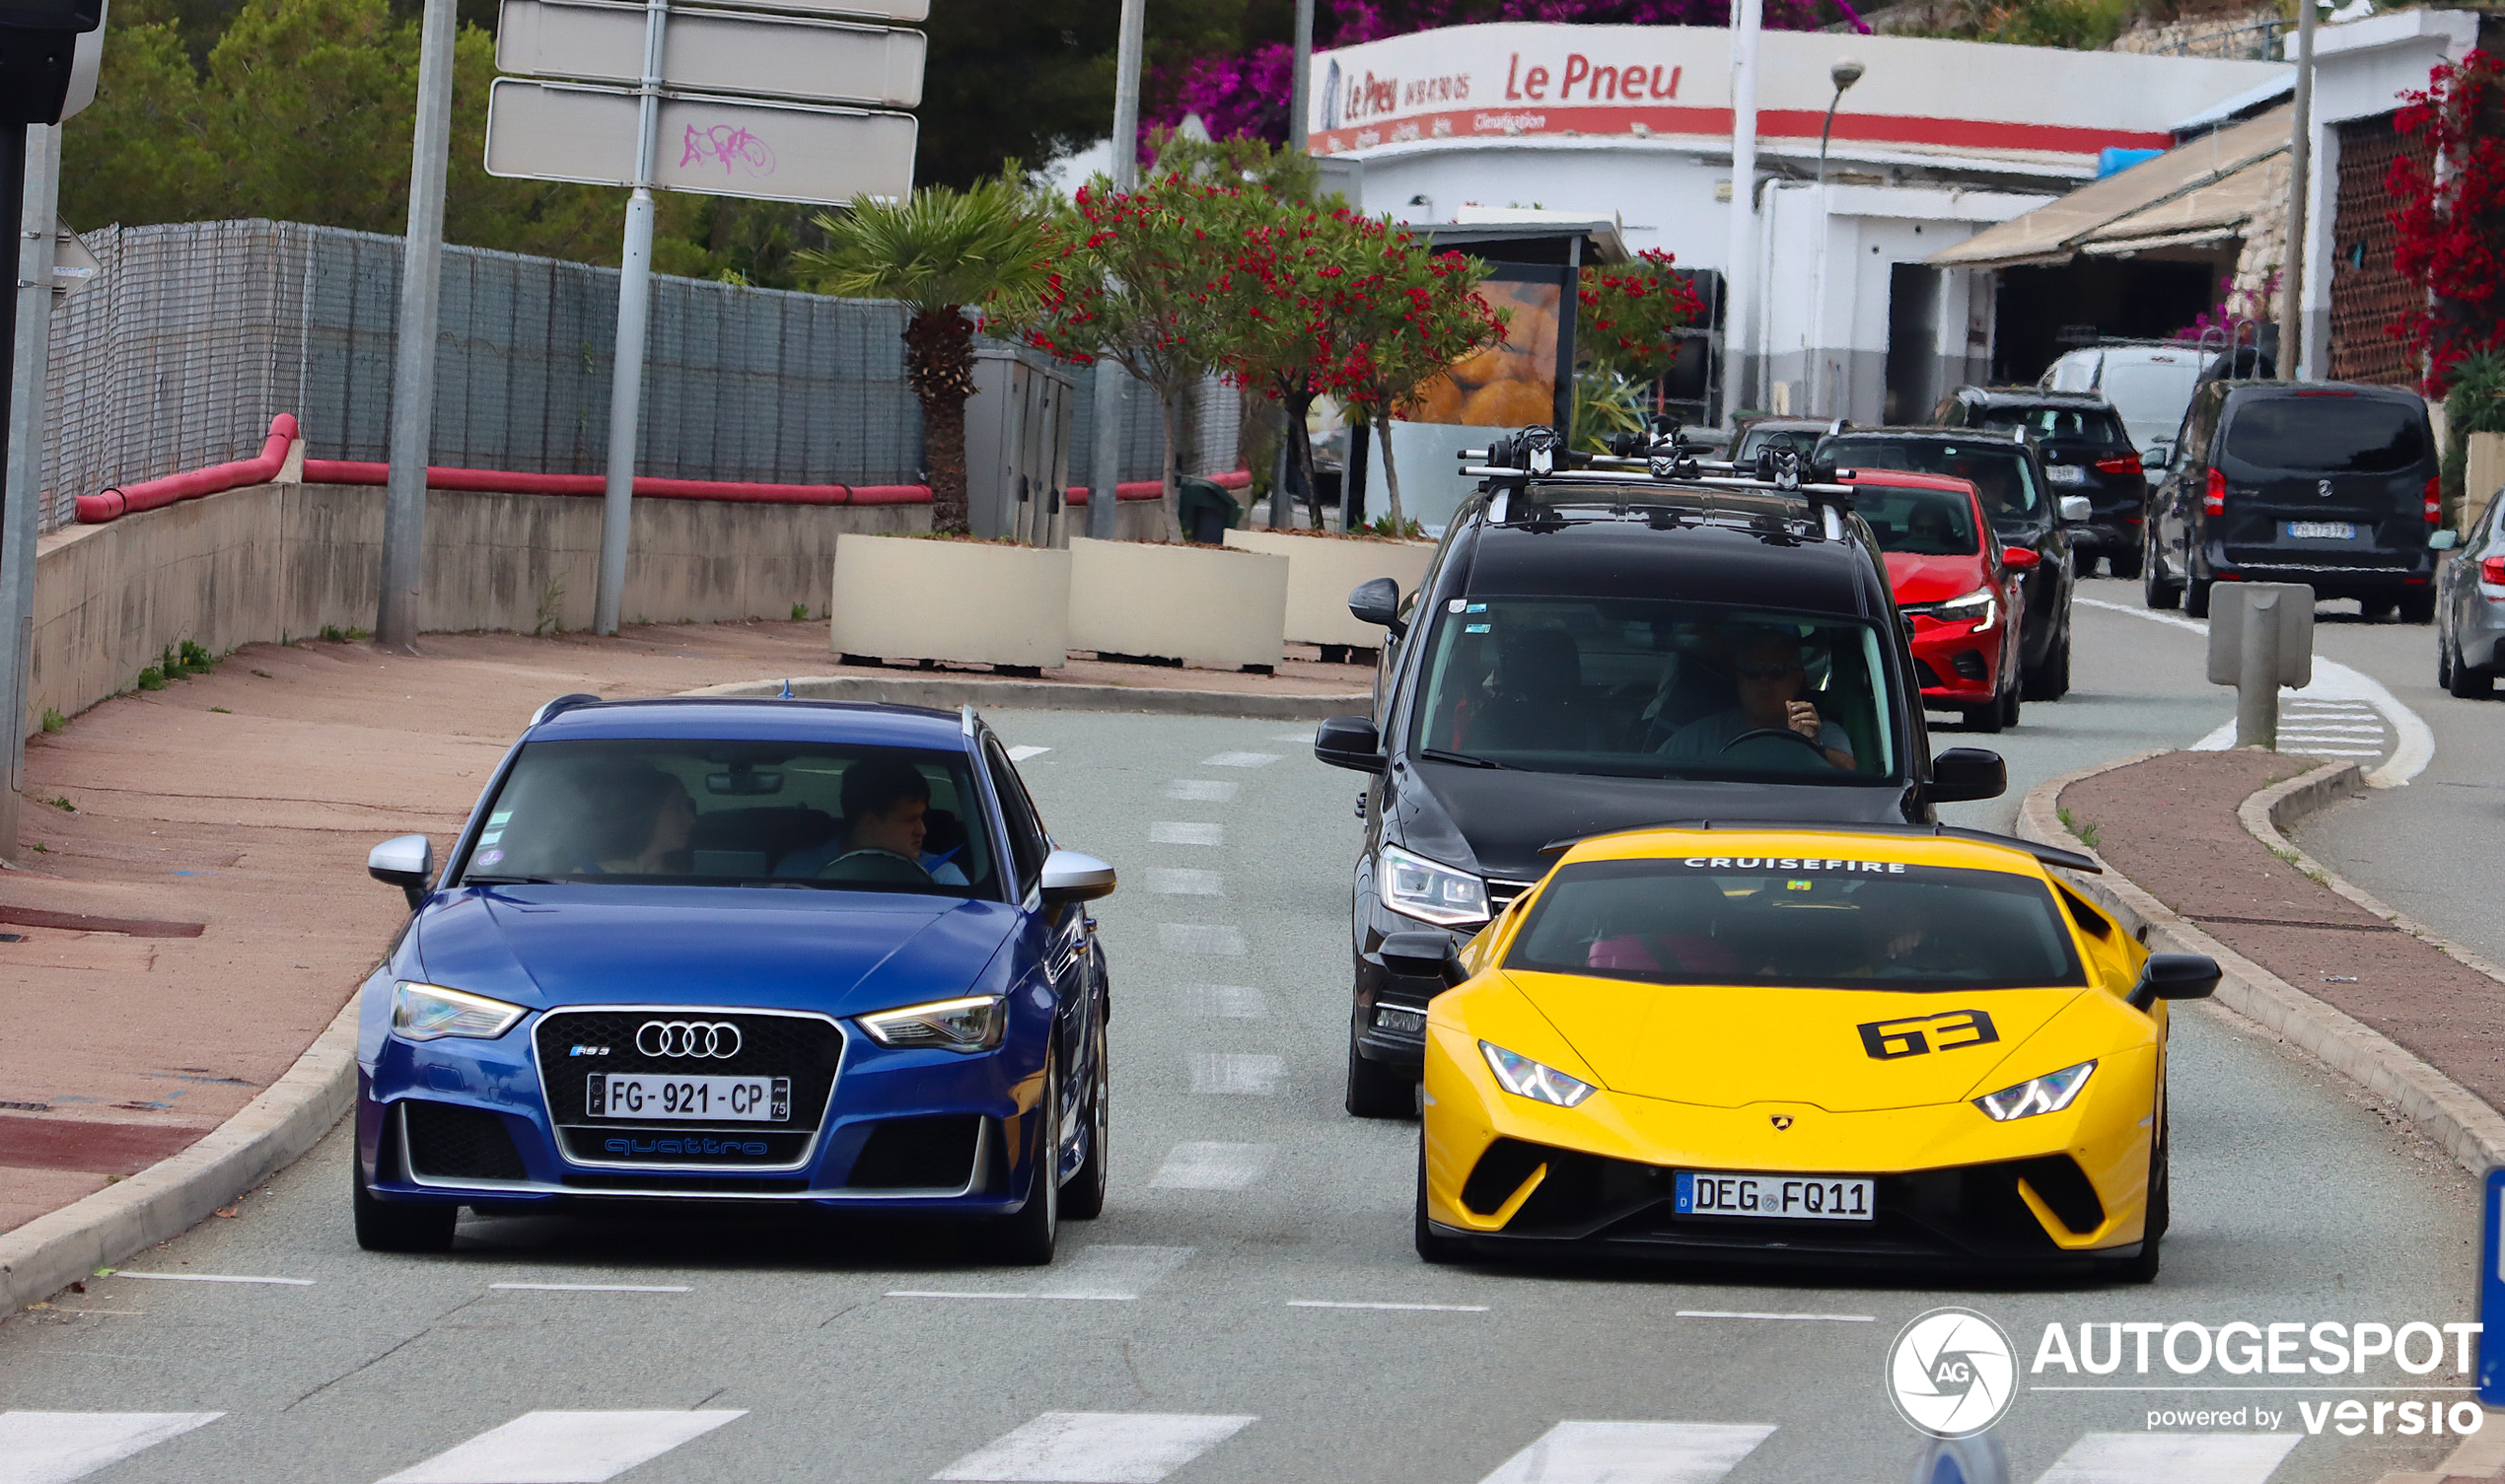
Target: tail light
x=2214, y=502
x=2435, y=501
x=2119, y=464
x=2492, y=571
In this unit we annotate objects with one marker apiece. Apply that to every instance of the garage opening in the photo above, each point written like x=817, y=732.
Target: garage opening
x=2043, y=311
x=1913, y=342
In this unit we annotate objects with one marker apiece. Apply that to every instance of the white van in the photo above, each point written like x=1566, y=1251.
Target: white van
x=2149, y=385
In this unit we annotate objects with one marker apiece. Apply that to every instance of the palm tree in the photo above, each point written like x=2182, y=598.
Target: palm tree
x=940, y=251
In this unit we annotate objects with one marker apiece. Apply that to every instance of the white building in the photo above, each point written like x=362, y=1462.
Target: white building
x=1633, y=123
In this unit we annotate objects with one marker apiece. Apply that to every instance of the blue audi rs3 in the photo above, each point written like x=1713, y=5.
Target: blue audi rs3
x=739, y=951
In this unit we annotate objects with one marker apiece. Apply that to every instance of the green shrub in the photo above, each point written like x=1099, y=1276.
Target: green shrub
x=152, y=678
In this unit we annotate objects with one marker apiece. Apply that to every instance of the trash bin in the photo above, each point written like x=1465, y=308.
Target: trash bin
x=1207, y=511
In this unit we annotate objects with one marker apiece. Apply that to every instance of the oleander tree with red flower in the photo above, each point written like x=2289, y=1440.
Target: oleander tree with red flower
x=1422, y=313
x=1624, y=317
x=2450, y=224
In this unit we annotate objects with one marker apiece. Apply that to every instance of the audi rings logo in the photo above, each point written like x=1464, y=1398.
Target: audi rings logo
x=714, y=1038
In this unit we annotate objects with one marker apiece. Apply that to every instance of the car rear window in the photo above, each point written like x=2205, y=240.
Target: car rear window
x=2152, y=394
x=2089, y=425
x=2333, y=432
x=2002, y=472
x=1919, y=522
x=1820, y=922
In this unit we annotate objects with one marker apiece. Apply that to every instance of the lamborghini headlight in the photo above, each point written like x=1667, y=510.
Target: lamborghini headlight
x=2048, y=1093
x=1525, y=1078
x=1982, y=606
x=1418, y=888
x=974, y=1023
x=430, y=1012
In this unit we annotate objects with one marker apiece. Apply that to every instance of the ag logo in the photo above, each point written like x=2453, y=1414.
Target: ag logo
x=1951, y=1372
x=1886, y=1041
x=2323, y=487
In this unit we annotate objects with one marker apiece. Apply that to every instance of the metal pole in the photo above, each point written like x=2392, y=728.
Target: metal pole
x=1814, y=341
x=2257, y=664
x=626, y=362
x=30, y=185
x=413, y=360
x=1738, y=369
x=1300, y=96
x=1111, y=386
x=2300, y=181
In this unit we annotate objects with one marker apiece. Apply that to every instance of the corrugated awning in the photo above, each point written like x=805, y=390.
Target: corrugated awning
x=2199, y=192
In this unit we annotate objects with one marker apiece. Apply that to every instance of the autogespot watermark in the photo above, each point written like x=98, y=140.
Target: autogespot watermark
x=1952, y=1373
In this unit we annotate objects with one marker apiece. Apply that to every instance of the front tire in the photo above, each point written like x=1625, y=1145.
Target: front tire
x=2049, y=680
x=1431, y=1247
x=2142, y=1269
x=1027, y=1238
x=398, y=1225
x=1083, y=1198
x=2155, y=590
x=2469, y=683
x=1376, y=1089
x=2196, y=596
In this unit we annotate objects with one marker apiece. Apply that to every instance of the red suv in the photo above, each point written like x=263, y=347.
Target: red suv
x=1955, y=584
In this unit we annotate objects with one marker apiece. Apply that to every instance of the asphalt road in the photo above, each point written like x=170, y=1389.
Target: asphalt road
x=1240, y=1305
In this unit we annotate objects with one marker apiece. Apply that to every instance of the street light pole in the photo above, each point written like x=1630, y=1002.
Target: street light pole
x=1737, y=274
x=1843, y=74
x=1105, y=467
x=413, y=359
x=1300, y=127
x=2300, y=182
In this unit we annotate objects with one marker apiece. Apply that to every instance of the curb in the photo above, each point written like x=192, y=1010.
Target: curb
x=2468, y=1130
x=54, y=1251
x=1036, y=696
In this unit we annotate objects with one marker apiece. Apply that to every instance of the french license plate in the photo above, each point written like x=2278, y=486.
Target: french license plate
x=2065, y=473
x=1783, y=1197
x=711, y=1099
x=2322, y=530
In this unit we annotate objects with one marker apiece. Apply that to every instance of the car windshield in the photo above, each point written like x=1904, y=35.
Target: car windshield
x=1761, y=438
x=2151, y=394
x=2002, y=472
x=1646, y=688
x=2092, y=425
x=2332, y=432
x=737, y=814
x=1812, y=922
x=1919, y=522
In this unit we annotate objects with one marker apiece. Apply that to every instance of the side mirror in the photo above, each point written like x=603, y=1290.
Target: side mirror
x=2159, y=456
x=2021, y=558
x=1377, y=600
x=1069, y=876
x=1423, y=955
x=2175, y=976
x=406, y=862
x=1350, y=741
x=2076, y=511
x=2443, y=540
x=1961, y=775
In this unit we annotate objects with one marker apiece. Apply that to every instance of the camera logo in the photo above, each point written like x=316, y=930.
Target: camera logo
x=1951, y=1372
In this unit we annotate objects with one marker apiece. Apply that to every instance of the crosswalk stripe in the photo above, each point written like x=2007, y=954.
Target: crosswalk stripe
x=1107, y=1271
x=1632, y=1452
x=1215, y=939
x=1096, y=1448
x=1228, y=1001
x=1250, y=1073
x=54, y=1447
x=1177, y=881
x=1186, y=832
x=2171, y=1457
x=1204, y=1166
x=563, y=1448
x=1201, y=790
x=1239, y=760
x=1022, y=753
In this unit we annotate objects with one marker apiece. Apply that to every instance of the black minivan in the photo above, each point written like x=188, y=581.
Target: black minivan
x=2329, y=484
x=1591, y=653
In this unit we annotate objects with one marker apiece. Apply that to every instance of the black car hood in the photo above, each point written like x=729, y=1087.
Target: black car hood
x=1493, y=820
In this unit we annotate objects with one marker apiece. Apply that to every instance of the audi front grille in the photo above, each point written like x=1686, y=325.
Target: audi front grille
x=677, y=1040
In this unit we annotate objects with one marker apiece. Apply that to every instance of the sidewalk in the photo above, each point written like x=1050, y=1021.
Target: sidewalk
x=196, y=908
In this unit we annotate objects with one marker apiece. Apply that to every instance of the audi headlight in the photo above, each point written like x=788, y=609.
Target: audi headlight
x=1982, y=606
x=974, y=1023
x=1416, y=887
x=2048, y=1093
x=430, y=1012
x=1524, y=1078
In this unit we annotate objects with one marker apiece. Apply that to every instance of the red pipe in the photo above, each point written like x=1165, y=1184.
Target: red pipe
x=508, y=482
x=1155, y=489
x=149, y=494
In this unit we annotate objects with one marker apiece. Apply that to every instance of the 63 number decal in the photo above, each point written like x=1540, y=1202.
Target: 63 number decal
x=1914, y=1035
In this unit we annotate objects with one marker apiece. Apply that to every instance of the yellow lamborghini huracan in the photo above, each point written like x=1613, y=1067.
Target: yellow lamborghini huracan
x=1856, y=1044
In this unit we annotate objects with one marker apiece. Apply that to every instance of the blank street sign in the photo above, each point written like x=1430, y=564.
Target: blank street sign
x=761, y=151
x=905, y=12
x=783, y=56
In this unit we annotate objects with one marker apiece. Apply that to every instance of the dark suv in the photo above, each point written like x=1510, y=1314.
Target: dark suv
x=2027, y=518
x=1599, y=650
x=2330, y=483
x=2084, y=451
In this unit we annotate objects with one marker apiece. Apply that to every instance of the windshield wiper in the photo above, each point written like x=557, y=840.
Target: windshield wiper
x=510, y=880
x=1462, y=759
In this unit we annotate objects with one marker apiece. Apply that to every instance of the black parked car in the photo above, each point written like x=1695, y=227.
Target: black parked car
x=2330, y=483
x=1592, y=652
x=2033, y=524
x=2084, y=451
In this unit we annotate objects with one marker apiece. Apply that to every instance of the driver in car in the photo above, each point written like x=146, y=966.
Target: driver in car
x=885, y=800
x=1771, y=678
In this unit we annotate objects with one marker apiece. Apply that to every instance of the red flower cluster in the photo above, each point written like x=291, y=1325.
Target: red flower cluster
x=2450, y=224
x=1625, y=313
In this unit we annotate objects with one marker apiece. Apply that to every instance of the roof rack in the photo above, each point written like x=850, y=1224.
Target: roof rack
x=2051, y=855
x=1537, y=457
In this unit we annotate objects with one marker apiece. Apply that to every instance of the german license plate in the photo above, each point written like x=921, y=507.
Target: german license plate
x=1782, y=1197
x=2065, y=473
x=709, y=1099
x=2322, y=530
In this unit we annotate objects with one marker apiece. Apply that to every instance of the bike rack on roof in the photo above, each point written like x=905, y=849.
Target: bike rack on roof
x=1538, y=455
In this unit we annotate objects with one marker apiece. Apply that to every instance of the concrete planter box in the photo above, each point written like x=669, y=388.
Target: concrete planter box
x=1320, y=571
x=968, y=601
x=1178, y=603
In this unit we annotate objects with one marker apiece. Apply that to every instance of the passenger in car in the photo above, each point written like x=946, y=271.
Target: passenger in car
x=644, y=824
x=1769, y=679
x=885, y=805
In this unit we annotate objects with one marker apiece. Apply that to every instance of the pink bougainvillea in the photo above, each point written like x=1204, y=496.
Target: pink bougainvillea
x=2450, y=224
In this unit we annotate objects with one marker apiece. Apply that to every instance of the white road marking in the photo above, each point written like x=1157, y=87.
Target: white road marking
x=1097, y=1448
x=54, y=1447
x=2332, y=681
x=1632, y=1452
x=1201, y=791
x=1180, y=832
x=1239, y=759
x=949, y=1292
x=2166, y=1459
x=1200, y=937
x=596, y=1288
x=563, y=1448
x=1237, y=1073
x=1113, y=1272
x=1750, y=1313
x=1213, y=1166
x=1021, y=754
x=1228, y=1001
x=1292, y=736
x=212, y=1278
x=1176, y=880
x=1439, y=1309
